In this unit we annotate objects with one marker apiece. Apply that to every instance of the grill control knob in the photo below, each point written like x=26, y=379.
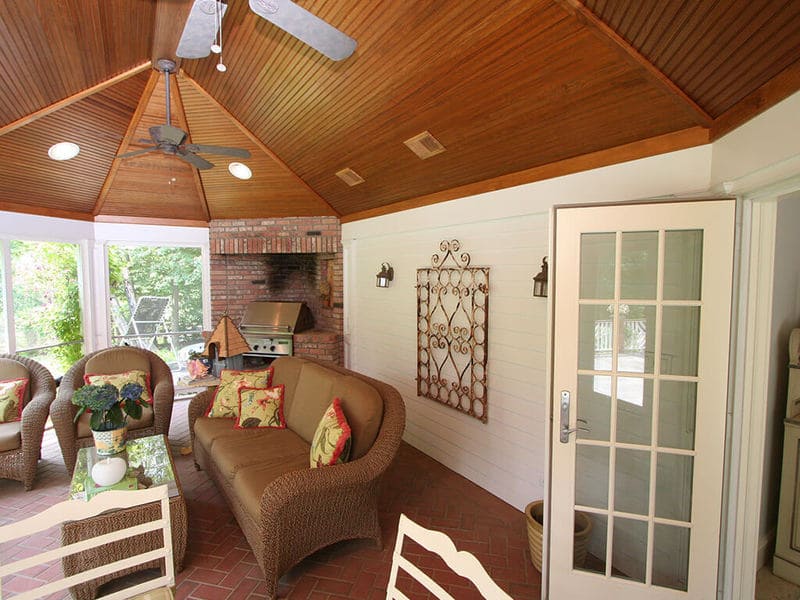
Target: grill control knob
x=255, y=347
x=272, y=348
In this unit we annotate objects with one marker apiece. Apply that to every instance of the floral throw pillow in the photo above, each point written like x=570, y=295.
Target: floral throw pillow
x=118, y=380
x=225, y=403
x=12, y=391
x=331, y=442
x=260, y=408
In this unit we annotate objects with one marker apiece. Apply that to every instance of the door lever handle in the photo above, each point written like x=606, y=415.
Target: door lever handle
x=565, y=429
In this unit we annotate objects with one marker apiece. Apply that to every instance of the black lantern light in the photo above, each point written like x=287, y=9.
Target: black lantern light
x=385, y=276
x=540, y=281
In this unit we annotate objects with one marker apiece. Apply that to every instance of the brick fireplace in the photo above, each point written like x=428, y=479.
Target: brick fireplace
x=289, y=259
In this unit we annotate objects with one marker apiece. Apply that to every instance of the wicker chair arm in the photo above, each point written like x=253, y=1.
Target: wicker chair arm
x=197, y=408
x=163, y=394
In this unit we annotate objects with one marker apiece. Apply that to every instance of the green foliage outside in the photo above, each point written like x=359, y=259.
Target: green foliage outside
x=46, y=298
x=174, y=272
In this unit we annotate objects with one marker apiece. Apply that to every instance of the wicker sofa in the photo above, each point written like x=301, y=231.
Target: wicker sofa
x=286, y=509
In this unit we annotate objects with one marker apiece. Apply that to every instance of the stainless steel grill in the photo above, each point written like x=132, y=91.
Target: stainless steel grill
x=269, y=327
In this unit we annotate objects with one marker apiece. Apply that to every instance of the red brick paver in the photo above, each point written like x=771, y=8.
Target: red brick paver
x=220, y=565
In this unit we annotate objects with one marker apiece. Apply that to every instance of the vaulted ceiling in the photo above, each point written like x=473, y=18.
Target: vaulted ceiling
x=516, y=91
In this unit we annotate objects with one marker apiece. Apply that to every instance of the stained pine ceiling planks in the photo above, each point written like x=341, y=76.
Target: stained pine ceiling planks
x=516, y=91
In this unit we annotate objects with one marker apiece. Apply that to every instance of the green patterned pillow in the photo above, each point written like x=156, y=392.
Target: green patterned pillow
x=260, y=408
x=225, y=403
x=12, y=391
x=331, y=442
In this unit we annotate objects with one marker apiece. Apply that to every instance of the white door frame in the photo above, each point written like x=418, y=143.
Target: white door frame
x=750, y=386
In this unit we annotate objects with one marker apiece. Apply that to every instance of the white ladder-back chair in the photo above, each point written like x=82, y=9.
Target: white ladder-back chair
x=461, y=562
x=73, y=510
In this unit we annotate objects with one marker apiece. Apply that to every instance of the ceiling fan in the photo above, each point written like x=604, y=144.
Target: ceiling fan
x=205, y=19
x=170, y=140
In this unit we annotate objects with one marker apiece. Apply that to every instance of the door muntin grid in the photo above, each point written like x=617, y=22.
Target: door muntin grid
x=640, y=307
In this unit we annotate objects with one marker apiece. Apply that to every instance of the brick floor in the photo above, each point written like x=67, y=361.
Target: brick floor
x=220, y=565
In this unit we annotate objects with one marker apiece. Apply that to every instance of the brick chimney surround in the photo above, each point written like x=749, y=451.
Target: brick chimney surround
x=289, y=259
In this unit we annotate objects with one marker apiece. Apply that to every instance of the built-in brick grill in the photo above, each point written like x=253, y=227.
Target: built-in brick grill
x=269, y=327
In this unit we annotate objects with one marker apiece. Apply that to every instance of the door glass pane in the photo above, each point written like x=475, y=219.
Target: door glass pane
x=632, y=481
x=595, y=560
x=680, y=339
x=634, y=410
x=674, y=486
x=676, y=414
x=156, y=300
x=594, y=407
x=637, y=338
x=47, y=306
x=671, y=556
x=683, y=264
x=639, y=265
x=591, y=476
x=629, y=549
x=598, y=258
x=595, y=337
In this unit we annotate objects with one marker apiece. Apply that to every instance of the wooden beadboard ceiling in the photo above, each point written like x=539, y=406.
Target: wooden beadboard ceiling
x=516, y=91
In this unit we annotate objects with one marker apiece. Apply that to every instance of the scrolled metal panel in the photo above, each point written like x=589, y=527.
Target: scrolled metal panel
x=452, y=331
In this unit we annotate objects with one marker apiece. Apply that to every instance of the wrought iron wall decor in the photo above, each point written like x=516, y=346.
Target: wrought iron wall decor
x=452, y=331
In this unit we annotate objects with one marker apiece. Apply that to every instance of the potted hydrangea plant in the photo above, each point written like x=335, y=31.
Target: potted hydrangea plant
x=110, y=408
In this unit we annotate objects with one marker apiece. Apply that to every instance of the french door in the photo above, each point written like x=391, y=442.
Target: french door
x=641, y=344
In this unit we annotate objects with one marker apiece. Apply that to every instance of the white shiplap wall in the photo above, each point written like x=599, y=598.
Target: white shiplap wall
x=508, y=231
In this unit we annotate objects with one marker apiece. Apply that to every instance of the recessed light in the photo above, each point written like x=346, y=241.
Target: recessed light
x=240, y=170
x=63, y=151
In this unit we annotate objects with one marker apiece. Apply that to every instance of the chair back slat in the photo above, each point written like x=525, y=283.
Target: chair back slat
x=72, y=510
x=461, y=562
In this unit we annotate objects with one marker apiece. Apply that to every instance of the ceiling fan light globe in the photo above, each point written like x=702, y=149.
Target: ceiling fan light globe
x=63, y=151
x=240, y=170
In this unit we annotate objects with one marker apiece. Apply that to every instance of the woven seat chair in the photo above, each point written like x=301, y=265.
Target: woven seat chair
x=21, y=441
x=72, y=436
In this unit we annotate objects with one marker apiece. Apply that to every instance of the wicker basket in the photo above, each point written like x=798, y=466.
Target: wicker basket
x=534, y=516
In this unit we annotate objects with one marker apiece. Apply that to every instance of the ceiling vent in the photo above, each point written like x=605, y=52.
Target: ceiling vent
x=350, y=177
x=424, y=145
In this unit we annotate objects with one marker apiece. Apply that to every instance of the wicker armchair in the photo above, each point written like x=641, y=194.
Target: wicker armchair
x=109, y=361
x=20, y=463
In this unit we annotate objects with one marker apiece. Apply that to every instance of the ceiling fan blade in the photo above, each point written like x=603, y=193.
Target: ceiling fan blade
x=239, y=152
x=200, y=29
x=168, y=134
x=306, y=27
x=194, y=160
x=137, y=152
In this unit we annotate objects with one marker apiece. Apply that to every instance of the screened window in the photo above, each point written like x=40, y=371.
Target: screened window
x=156, y=299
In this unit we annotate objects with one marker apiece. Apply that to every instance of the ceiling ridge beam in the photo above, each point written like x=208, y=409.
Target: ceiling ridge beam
x=604, y=32
x=51, y=108
x=144, y=100
x=780, y=87
x=257, y=141
x=668, y=142
x=198, y=181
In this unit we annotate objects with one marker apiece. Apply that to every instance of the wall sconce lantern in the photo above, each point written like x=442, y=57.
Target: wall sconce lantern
x=540, y=281
x=385, y=276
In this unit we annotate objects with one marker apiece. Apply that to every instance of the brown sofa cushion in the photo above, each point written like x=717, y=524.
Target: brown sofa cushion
x=12, y=369
x=208, y=430
x=250, y=481
x=363, y=408
x=256, y=447
x=11, y=436
x=312, y=397
x=108, y=363
x=287, y=373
